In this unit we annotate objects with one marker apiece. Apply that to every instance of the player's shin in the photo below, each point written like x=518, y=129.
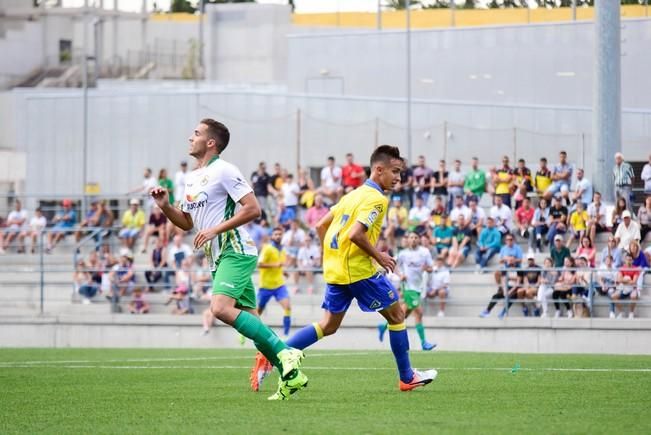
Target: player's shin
x=287, y=321
x=252, y=327
x=400, y=348
x=306, y=336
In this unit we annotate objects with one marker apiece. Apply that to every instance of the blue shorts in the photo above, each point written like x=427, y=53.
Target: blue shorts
x=128, y=233
x=373, y=294
x=264, y=294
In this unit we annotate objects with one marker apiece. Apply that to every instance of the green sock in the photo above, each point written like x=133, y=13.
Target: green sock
x=421, y=331
x=264, y=338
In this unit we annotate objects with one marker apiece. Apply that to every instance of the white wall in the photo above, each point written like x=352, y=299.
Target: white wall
x=21, y=52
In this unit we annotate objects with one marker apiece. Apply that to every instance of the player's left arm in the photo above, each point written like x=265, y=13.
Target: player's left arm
x=357, y=235
x=249, y=210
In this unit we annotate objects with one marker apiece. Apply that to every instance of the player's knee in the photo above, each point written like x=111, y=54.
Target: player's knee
x=218, y=310
x=329, y=328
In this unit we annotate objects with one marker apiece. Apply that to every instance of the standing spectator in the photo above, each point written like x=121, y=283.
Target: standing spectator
x=422, y=179
x=578, y=223
x=459, y=209
x=523, y=219
x=475, y=181
x=563, y=287
x=559, y=252
x=597, y=217
x=133, y=221
x=37, y=224
x=307, y=192
x=157, y=226
x=397, y=218
x=179, y=181
x=148, y=183
x=627, y=231
x=290, y=191
x=644, y=218
x=557, y=220
x=138, y=304
x=16, y=227
x=477, y=216
x=352, y=174
x=627, y=286
x=314, y=214
x=439, y=284
x=166, y=184
x=331, y=181
x=510, y=258
x=489, y=243
x=606, y=279
x=502, y=215
x=157, y=266
x=540, y=222
x=461, y=243
x=63, y=222
x=456, y=179
x=561, y=177
x=646, y=177
x=403, y=188
x=418, y=216
x=543, y=178
x=583, y=189
x=522, y=183
x=260, y=182
x=612, y=250
x=439, y=184
x=502, y=181
x=309, y=258
x=623, y=176
x=547, y=283
x=585, y=249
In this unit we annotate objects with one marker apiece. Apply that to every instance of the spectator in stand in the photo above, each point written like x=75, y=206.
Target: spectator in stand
x=646, y=177
x=96, y=269
x=352, y=174
x=276, y=180
x=461, y=243
x=627, y=231
x=403, y=188
x=456, y=179
x=522, y=183
x=627, y=286
x=546, y=289
x=138, y=304
x=284, y=214
x=459, y=209
x=177, y=252
x=157, y=226
x=475, y=181
x=64, y=222
x=37, y=224
x=477, y=216
x=292, y=241
x=639, y=259
x=612, y=250
x=528, y=290
x=597, y=217
x=557, y=220
x=510, y=258
x=316, y=212
x=502, y=181
x=543, y=178
x=439, y=183
x=578, y=224
x=580, y=289
x=84, y=283
x=523, y=219
x=133, y=221
x=331, y=181
x=309, y=258
x=148, y=183
x=260, y=181
x=583, y=189
x=502, y=215
x=563, y=288
x=539, y=222
x=561, y=177
x=438, y=210
x=167, y=184
x=443, y=237
x=488, y=244
x=88, y=221
x=438, y=284
x=258, y=232
x=644, y=218
x=181, y=298
x=179, y=181
x=397, y=221
x=201, y=279
x=290, y=192
x=623, y=177
x=17, y=225
x=421, y=179
x=606, y=279
x=307, y=192
x=157, y=266
x=122, y=276
x=585, y=249
x=419, y=216
x=558, y=251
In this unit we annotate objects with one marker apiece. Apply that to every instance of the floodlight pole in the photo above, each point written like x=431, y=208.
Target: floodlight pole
x=84, y=85
x=379, y=15
x=408, y=68
x=201, y=12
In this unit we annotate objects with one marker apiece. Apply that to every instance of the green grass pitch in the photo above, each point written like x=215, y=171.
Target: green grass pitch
x=74, y=391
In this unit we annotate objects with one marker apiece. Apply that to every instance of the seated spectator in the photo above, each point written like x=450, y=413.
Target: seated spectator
x=314, y=214
x=597, y=217
x=612, y=250
x=258, y=231
x=547, y=282
x=522, y=183
x=543, y=178
x=307, y=192
x=627, y=287
x=644, y=218
x=618, y=211
x=292, y=241
x=539, y=222
x=646, y=176
x=557, y=220
x=528, y=290
x=87, y=221
x=157, y=263
x=461, y=243
x=488, y=244
x=331, y=181
x=425, y=242
x=201, y=279
x=438, y=210
x=580, y=289
x=475, y=181
x=84, y=283
x=627, y=232
x=138, y=304
x=419, y=216
x=352, y=174
x=64, y=222
x=502, y=215
x=561, y=177
x=559, y=252
x=177, y=252
x=512, y=281
x=477, y=216
x=157, y=226
x=17, y=225
x=606, y=282
x=459, y=209
x=639, y=259
x=122, y=276
x=443, y=238
x=181, y=300
x=578, y=224
x=133, y=221
x=96, y=269
x=563, y=288
x=309, y=258
x=183, y=276
x=510, y=258
x=284, y=214
x=523, y=219
x=585, y=249
x=583, y=191
x=98, y=216
x=438, y=284
x=37, y=224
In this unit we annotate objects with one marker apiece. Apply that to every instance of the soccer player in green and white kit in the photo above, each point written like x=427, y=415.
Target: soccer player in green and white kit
x=212, y=194
x=413, y=263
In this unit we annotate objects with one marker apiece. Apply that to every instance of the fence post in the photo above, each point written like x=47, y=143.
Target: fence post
x=298, y=141
x=42, y=271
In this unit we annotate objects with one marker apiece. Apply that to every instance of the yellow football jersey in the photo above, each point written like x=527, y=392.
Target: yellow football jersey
x=271, y=277
x=343, y=261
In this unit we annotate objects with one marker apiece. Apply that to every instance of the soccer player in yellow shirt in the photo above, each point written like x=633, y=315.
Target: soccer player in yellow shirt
x=349, y=233
x=272, y=281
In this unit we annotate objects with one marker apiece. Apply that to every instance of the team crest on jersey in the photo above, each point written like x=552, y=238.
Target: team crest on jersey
x=204, y=180
x=390, y=294
x=193, y=202
x=379, y=208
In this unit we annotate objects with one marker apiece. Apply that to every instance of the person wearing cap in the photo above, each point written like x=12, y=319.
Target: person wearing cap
x=133, y=221
x=475, y=181
x=623, y=177
x=179, y=181
x=558, y=251
x=63, y=222
x=488, y=244
x=627, y=231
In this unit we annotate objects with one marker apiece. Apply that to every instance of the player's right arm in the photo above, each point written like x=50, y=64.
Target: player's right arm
x=323, y=225
x=179, y=218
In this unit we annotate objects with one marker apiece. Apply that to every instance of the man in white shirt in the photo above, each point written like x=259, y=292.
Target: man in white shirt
x=16, y=226
x=583, y=189
x=419, y=216
x=331, y=181
x=292, y=241
x=646, y=176
x=456, y=180
x=148, y=183
x=627, y=231
x=177, y=252
x=290, y=191
x=179, y=181
x=502, y=215
x=459, y=209
x=439, y=284
x=37, y=224
x=597, y=215
x=309, y=258
x=477, y=217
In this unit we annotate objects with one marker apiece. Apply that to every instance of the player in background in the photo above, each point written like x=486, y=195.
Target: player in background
x=414, y=263
x=349, y=232
x=219, y=202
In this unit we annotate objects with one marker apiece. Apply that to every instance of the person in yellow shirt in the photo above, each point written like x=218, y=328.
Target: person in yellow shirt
x=133, y=220
x=502, y=181
x=543, y=177
x=397, y=218
x=272, y=280
x=578, y=223
x=349, y=233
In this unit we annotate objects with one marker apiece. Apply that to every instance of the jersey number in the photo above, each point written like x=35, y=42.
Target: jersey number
x=334, y=243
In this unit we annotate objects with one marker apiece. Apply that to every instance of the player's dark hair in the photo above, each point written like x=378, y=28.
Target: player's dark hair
x=217, y=131
x=278, y=229
x=384, y=154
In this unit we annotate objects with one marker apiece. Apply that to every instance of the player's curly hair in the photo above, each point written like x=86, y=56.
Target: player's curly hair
x=217, y=131
x=384, y=154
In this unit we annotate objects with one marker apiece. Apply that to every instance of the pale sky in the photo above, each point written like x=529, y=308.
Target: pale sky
x=305, y=6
